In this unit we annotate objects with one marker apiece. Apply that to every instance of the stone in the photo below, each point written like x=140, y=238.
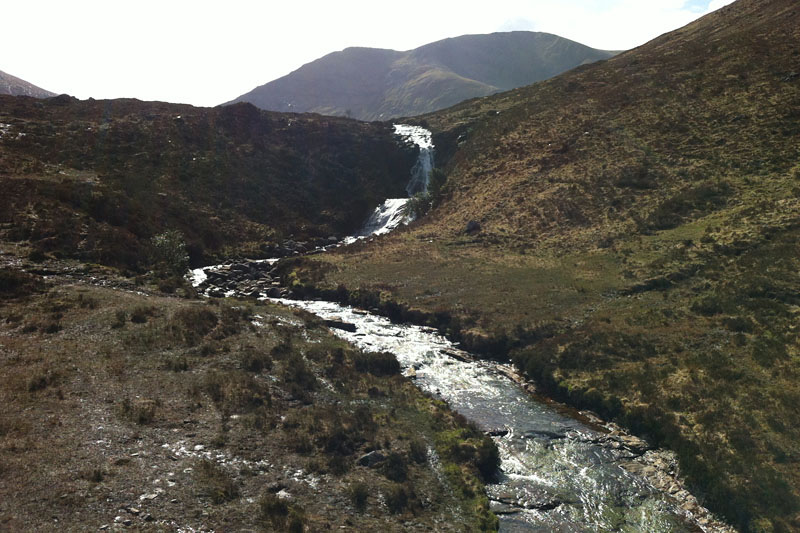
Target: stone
x=473, y=226
x=338, y=324
x=371, y=459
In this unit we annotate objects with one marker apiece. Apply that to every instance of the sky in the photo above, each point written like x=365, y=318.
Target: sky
x=205, y=53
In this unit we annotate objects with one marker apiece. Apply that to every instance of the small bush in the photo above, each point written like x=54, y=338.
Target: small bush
x=88, y=302
x=378, y=364
x=14, y=283
x=254, y=360
x=282, y=350
x=274, y=510
x=395, y=467
x=120, y=317
x=140, y=411
x=359, y=493
x=739, y=324
x=417, y=206
x=418, y=451
x=234, y=392
x=396, y=499
x=296, y=520
x=141, y=313
x=41, y=381
x=191, y=324
x=177, y=364
x=298, y=373
x=215, y=483
x=168, y=254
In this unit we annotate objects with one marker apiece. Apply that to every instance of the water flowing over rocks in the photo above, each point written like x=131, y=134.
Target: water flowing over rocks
x=392, y=213
x=560, y=470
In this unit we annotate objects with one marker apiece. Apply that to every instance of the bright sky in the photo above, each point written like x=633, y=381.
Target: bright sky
x=207, y=52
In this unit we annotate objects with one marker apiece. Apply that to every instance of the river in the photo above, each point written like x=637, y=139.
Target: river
x=558, y=473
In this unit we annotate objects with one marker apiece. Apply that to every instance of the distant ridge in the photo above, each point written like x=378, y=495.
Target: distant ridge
x=16, y=87
x=378, y=84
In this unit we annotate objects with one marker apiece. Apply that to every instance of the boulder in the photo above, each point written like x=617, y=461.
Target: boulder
x=338, y=324
x=473, y=226
x=371, y=459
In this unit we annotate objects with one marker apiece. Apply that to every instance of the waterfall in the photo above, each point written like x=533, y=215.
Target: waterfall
x=389, y=215
x=422, y=168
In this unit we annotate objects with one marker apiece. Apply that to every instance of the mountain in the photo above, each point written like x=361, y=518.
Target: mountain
x=95, y=180
x=377, y=84
x=16, y=87
x=627, y=233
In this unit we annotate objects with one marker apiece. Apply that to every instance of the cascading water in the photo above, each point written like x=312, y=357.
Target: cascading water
x=421, y=171
x=557, y=474
x=391, y=213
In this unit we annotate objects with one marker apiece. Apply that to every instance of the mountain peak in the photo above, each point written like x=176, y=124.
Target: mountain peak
x=17, y=87
x=375, y=83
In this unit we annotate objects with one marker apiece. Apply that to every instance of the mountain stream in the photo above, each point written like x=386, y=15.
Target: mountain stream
x=560, y=470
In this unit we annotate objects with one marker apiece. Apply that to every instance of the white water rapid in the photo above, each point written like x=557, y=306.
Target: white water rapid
x=557, y=473
x=390, y=214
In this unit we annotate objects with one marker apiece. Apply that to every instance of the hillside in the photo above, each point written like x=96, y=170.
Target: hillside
x=634, y=248
x=16, y=87
x=376, y=84
x=158, y=413
x=95, y=180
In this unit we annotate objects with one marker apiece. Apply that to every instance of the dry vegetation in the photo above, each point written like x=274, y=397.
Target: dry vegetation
x=638, y=248
x=162, y=413
x=96, y=180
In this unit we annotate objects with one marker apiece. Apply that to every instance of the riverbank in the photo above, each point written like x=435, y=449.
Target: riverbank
x=128, y=408
x=656, y=468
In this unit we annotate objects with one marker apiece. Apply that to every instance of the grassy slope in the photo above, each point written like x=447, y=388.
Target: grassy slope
x=638, y=250
x=96, y=179
x=185, y=414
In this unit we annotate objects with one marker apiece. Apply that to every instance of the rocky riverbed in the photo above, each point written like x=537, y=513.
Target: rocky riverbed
x=561, y=468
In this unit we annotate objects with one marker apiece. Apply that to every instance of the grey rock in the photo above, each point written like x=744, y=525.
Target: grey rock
x=473, y=226
x=371, y=459
x=338, y=324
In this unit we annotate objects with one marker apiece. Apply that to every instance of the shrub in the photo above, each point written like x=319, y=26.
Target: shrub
x=215, y=483
x=120, y=317
x=140, y=411
x=168, y=254
x=141, y=313
x=298, y=373
x=254, y=360
x=234, y=392
x=378, y=364
x=436, y=183
x=417, y=206
x=418, y=451
x=396, y=499
x=273, y=509
x=41, y=381
x=358, y=496
x=190, y=324
x=395, y=467
x=739, y=324
x=487, y=459
x=14, y=283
